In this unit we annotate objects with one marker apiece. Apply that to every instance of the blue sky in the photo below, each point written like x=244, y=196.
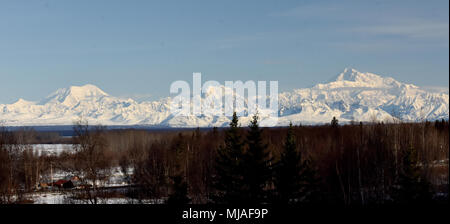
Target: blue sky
x=138, y=48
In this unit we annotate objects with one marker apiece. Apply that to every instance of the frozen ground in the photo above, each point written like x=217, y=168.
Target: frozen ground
x=49, y=198
x=117, y=177
x=64, y=198
x=52, y=149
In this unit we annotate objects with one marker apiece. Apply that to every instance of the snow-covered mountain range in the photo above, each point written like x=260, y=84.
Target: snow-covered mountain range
x=351, y=95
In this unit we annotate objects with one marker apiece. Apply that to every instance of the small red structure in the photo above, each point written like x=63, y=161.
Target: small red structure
x=60, y=183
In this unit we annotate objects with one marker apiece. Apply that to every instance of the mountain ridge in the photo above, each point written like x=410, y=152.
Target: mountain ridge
x=351, y=96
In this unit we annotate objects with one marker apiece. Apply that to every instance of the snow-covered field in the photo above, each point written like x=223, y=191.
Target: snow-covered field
x=116, y=179
x=49, y=198
x=64, y=198
x=52, y=149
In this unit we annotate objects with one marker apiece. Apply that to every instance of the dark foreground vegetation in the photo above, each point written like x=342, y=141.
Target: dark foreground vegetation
x=355, y=164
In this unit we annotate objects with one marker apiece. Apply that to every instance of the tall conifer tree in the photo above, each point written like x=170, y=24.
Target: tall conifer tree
x=228, y=180
x=412, y=188
x=294, y=178
x=257, y=162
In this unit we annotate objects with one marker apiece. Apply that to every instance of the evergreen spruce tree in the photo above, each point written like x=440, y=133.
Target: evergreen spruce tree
x=179, y=195
x=197, y=134
x=228, y=180
x=257, y=166
x=214, y=131
x=295, y=181
x=334, y=122
x=412, y=188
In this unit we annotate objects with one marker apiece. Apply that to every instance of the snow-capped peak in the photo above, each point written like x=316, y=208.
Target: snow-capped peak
x=87, y=90
x=351, y=77
x=22, y=102
x=349, y=74
x=72, y=95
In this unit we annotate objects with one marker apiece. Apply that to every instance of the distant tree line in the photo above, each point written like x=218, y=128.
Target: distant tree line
x=334, y=164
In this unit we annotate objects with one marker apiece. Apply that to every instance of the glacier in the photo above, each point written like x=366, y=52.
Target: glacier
x=349, y=96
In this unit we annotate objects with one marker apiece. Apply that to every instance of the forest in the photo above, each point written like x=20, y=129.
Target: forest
x=355, y=164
